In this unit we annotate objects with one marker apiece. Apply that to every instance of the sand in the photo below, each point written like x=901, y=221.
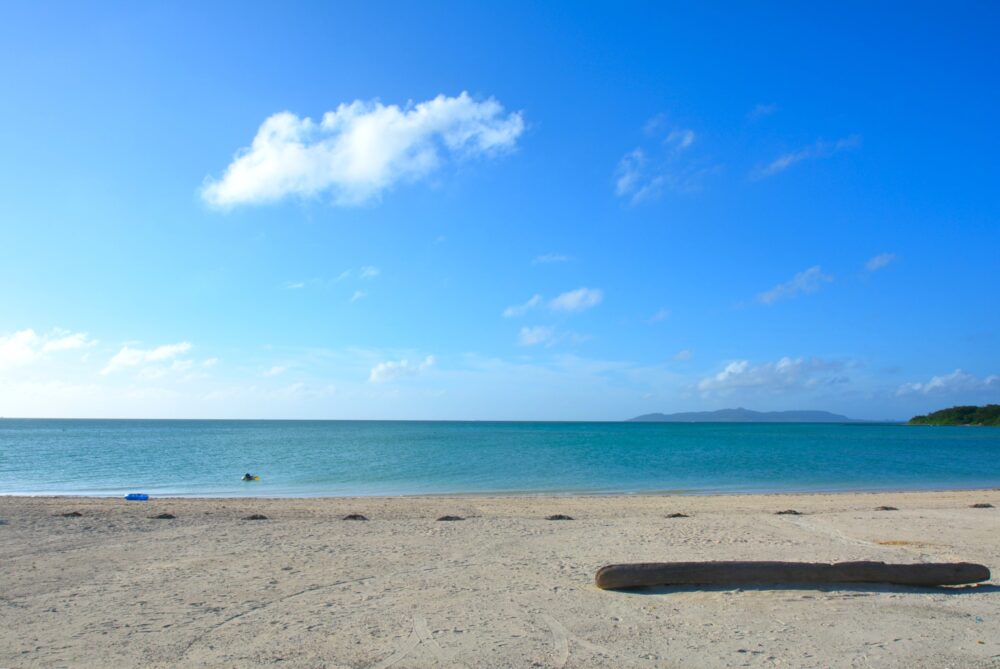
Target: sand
x=502, y=588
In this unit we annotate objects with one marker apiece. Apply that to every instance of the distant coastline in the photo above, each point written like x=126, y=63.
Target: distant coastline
x=741, y=415
x=973, y=416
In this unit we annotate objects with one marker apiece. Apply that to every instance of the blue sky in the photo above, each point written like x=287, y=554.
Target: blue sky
x=497, y=211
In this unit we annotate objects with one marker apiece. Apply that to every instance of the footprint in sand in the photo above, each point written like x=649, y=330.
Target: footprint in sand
x=561, y=638
x=421, y=634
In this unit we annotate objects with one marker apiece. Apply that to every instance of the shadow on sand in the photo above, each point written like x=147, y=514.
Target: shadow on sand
x=976, y=589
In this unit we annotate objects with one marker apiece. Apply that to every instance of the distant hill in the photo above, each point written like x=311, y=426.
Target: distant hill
x=742, y=415
x=965, y=415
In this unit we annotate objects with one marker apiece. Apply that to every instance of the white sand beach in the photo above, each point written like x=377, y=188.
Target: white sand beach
x=504, y=587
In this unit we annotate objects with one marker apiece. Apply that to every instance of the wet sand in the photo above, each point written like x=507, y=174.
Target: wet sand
x=115, y=587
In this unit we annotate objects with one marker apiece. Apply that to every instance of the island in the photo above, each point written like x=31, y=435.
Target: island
x=988, y=415
x=742, y=415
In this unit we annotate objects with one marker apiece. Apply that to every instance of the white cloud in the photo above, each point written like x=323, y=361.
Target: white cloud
x=644, y=173
x=949, y=384
x=369, y=272
x=805, y=282
x=629, y=172
x=133, y=357
x=653, y=125
x=549, y=258
x=819, y=149
x=639, y=180
x=27, y=346
x=580, y=299
x=517, y=310
x=659, y=316
x=67, y=341
x=210, y=362
x=394, y=369
x=762, y=110
x=683, y=355
x=361, y=149
x=276, y=370
x=359, y=295
x=19, y=348
x=876, y=263
x=295, y=285
x=531, y=336
x=680, y=139
x=786, y=374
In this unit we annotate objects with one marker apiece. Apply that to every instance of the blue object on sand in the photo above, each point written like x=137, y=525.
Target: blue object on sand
x=137, y=497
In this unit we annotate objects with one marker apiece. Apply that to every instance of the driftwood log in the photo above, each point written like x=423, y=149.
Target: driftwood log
x=773, y=573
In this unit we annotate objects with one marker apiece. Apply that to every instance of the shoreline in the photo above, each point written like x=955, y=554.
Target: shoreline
x=511, y=494
x=195, y=582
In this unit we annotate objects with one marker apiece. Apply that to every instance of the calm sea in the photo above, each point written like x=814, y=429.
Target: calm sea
x=319, y=458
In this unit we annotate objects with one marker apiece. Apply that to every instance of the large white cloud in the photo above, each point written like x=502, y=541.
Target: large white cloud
x=360, y=149
x=27, y=346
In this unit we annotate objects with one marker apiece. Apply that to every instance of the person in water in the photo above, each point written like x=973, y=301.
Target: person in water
x=248, y=477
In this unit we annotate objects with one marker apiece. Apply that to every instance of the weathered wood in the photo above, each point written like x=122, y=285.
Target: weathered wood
x=773, y=573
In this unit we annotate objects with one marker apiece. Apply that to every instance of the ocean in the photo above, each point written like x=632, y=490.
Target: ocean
x=358, y=458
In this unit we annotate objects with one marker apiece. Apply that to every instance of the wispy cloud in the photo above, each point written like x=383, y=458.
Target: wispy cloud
x=805, y=282
x=532, y=336
x=391, y=370
x=645, y=172
x=577, y=300
x=761, y=110
x=295, y=285
x=660, y=316
x=680, y=139
x=359, y=295
x=786, y=374
x=683, y=355
x=951, y=384
x=361, y=149
x=276, y=370
x=518, y=310
x=369, y=272
x=549, y=258
x=571, y=301
x=880, y=261
x=819, y=149
x=133, y=357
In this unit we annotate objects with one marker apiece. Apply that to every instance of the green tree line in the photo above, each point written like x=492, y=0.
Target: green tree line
x=964, y=415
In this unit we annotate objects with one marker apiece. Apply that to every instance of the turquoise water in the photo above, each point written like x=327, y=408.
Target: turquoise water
x=318, y=458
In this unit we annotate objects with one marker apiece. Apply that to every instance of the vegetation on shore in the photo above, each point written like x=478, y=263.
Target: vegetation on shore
x=965, y=415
